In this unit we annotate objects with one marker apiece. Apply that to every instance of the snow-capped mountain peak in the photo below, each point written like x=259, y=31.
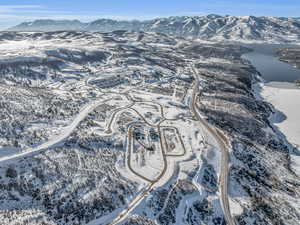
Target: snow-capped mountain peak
x=211, y=27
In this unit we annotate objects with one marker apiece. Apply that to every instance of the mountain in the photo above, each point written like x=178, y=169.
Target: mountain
x=211, y=27
x=49, y=25
x=110, y=25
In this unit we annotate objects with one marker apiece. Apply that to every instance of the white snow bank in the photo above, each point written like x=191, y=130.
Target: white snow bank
x=286, y=99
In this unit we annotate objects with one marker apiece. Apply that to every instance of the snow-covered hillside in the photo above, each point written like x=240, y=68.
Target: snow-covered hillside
x=210, y=27
x=137, y=128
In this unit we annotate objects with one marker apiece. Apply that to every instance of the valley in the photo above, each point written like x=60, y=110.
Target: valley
x=134, y=127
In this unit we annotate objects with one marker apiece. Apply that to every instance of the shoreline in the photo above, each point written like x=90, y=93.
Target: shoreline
x=282, y=85
x=285, y=99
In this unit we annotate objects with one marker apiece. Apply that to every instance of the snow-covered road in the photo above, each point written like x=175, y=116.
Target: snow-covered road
x=64, y=133
x=222, y=145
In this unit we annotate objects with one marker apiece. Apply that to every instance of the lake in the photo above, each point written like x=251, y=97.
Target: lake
x=264, y=59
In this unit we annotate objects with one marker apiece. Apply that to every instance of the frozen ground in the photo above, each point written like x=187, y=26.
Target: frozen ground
x=285, y=98
x=90, y=89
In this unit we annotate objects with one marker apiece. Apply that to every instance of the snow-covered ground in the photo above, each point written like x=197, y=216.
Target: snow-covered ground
x=285, y=98
x=65, y=132
x=89, y=166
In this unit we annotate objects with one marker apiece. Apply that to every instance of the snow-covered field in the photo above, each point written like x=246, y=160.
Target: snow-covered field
x=285, y=98
x=126, y=144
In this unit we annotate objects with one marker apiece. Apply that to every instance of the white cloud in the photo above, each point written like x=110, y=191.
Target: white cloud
x=18, y=8
x=21, y=6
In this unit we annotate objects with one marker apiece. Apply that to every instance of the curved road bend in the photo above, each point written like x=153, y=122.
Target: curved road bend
x=180, y=140
x=130, y=144
x=66, y=132
x=109, y=130
x=152, y=183
x=221, y=140
x=139, y=198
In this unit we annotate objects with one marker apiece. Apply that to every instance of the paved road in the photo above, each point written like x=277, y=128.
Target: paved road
x=130, y=145
x=222, y=143
x=109, y=130
x=122, y=216
x=147, y=191
x=180, y=140
x=218, y=136
x=221, y=140
x=66, y=132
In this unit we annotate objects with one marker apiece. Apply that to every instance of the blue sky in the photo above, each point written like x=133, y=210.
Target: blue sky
x=15, y=11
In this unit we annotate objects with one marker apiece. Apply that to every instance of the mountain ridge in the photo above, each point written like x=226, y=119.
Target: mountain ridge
x=211, y=27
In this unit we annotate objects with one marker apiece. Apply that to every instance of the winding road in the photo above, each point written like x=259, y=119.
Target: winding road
x=220, y=139
x=122, y=216
x=222, y=143
x=65, y=132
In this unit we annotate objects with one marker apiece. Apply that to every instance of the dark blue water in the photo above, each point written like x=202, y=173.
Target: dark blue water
x=264, y=59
